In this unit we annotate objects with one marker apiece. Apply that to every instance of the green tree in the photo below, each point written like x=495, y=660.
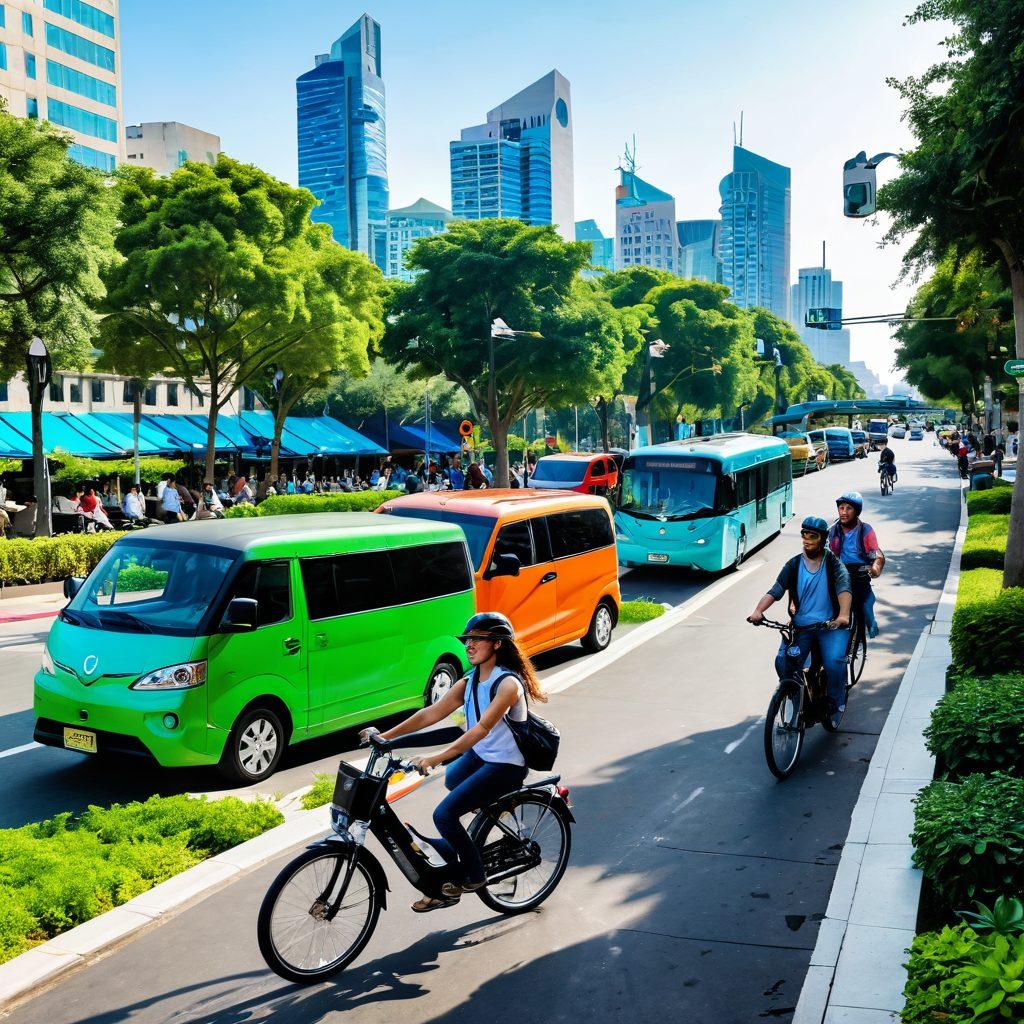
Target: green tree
x=963, y=182
x=224, y=275
x=479, y=271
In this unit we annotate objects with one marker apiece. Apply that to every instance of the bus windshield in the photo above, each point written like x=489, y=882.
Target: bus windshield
x=660, y=487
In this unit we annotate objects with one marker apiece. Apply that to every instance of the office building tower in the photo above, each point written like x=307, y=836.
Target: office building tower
x=755, y=232
x=166, y=145
x=519, y=162
x=815, y=289
x=60, y=61
x=342, y=141
x=602, y=250
x=699, y=249
x=645, y=224
x=407, y=224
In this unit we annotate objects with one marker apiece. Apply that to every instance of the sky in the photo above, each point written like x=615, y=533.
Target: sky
x=809, y=77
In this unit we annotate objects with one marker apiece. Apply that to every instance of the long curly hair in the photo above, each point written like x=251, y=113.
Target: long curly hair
x=511, y=656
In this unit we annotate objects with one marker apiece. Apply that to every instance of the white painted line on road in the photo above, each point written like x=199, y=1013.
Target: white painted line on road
x=19, y=750
x=735, y=743
x=689, y=800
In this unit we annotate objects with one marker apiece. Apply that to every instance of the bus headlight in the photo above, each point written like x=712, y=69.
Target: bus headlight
x=619, y=535
x=173, y=677
x=47, y=664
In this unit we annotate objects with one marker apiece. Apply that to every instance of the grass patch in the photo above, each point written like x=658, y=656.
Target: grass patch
x=321, y=793
x=641, y=610
x=58, y=873
x=985, y=546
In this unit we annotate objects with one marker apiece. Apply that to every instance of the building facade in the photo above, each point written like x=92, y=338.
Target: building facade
x=700, y=243
x=602, y=249
x=405, y=226
x=342, y=140
x=645, y=225
x=60, y=61
x=755, y=244
x=166, y=145
x=519, y=163
x=815, y=289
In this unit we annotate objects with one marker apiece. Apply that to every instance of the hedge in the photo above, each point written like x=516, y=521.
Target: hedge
x=969, y=838
x=995, y=500
x=295, y=504
x=979, y=726
x=75, y=470
x=985, y=546
x=988, y=623
x=52, y=558
x=58, y=873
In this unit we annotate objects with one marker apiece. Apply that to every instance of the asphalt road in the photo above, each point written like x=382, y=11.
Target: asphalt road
x=696, y=882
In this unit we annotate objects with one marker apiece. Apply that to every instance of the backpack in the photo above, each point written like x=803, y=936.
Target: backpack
x=536, y=738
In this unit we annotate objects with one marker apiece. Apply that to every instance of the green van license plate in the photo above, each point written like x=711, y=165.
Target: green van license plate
x=652, y=557
x=80, y=739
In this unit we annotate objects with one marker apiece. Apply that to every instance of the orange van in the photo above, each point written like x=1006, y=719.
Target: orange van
x=546, y=559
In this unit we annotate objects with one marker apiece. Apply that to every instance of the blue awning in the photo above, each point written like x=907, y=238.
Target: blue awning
x=332, y=436
x=60, y=430
x=409, y=437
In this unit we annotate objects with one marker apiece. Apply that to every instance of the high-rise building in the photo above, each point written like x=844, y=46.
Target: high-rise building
x=342, y=140
x=519, y=162
x=602, y=250
x=60, y=61
x=645, y=224
x=166, y=145
x=699, y=249
x=407, y=224
x=815, y=289
x=755, y=232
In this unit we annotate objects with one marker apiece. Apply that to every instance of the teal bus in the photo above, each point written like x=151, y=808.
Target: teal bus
x=704, y=502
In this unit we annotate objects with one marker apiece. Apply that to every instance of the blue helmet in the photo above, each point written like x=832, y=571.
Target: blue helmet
x=854, y=498
x=815, y=523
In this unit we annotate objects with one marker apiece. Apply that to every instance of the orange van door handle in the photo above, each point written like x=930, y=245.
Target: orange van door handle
x=548, y=577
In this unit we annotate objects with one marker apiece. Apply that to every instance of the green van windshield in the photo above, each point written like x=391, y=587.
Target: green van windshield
x=151, y=588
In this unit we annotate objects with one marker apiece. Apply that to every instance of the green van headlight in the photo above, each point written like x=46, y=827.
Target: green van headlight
x=173, y=677
x=47, y=665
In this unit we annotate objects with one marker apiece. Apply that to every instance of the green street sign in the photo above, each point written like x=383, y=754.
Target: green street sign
x=1014, y=367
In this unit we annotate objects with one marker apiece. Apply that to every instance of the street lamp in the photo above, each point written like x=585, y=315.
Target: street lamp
x=40, y=370
x=500, y=329
x=655, y=350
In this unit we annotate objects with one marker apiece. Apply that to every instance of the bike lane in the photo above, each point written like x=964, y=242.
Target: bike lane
x=695, y=883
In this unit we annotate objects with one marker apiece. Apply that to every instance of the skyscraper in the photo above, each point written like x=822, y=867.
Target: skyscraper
x=519, y=162
x=60, y=61
x=342, y=141
x=166, y=145
x=755, y=232
x=602, y=250
x=404, y=226
x=699, y=249
x=645, y=224
x=815, y=289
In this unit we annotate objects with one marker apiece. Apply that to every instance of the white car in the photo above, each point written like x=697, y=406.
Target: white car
x=899, y=431
x=916, y=434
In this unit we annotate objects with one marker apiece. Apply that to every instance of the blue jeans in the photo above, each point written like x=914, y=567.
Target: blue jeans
x=472, y=783
x=831, y=644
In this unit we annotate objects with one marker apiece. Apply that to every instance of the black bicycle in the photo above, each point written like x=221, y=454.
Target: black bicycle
x=857, y=652
x=322, y=908
x=887, y=482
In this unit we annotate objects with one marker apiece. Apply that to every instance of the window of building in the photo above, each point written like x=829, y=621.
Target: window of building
x=30, y=65
x=85, y=14
x=83, y=121
x=99, y=390
x=75, y=397
x=172, y=394
x=128, y=394
x=3, y=56
x=32, y=108
x=93, y=53
x=56, y=389
x=26, y=24
x=3, y=17
x=81, y=83
x=3, y=391
x=248, y=399
x=89, y=157
x=149, y=395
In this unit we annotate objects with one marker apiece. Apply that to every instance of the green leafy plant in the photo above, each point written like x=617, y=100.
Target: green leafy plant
x=321, y=793
x=1005, y=917
x=642, y=610
x=969, y=837
x=979, y=726
x=242, y=512
x=73, y=469
x=52, y=558
x=299, y=504
x=985, y=545
x=988, y=623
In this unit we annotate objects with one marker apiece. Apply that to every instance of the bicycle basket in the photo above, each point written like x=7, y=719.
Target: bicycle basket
x=355, y=793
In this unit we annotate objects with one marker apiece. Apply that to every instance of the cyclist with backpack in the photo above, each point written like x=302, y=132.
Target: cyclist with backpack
x=487, y=761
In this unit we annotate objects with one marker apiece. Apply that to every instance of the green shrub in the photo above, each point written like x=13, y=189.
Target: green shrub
x=357, y=501
x=52, y=558
x=241, y=512
x=58, y=873
x=641, y=610
x=321, y=793
x=988, y=623
x=979, y=726
x=995, y=500
x=134, y=578
x=969, y=838
x=72, y=469
x=985, y=546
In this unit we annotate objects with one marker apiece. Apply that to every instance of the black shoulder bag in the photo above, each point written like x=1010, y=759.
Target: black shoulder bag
x=536, y=738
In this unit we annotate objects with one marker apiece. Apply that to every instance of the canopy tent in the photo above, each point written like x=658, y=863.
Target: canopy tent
x=409, y=437
x=307, y=436
x=60, y=430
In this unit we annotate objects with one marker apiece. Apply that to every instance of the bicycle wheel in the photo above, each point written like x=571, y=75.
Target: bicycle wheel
x=884, y=483
x=783, y=730
x=296, y=941
x=857, y=657
x=544, y=827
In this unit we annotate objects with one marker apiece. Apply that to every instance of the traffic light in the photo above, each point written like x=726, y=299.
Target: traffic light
x=824, y=318
x=860, y=184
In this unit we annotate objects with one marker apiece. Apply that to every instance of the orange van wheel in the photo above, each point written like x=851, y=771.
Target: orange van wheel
x=599, y=636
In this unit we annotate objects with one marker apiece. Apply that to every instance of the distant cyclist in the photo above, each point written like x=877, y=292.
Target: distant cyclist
x=887, y=462
x=854, y=543
x=819, y=595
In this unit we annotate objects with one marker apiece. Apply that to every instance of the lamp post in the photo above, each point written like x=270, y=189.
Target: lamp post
x=39, y=372
x=499, y=329
x=655, y=350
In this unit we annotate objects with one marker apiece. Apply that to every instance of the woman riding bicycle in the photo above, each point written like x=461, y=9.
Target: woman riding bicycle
x=489, y=762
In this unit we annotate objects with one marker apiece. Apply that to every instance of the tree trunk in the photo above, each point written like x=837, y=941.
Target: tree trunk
x=1013, y=567
x=211, y=433
x=602, y=418
x=499, y=436
x=275, y=448
x=40, y=468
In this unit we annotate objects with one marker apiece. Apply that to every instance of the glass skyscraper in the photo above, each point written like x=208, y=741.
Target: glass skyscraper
x=342, y=141
x=519, y=163
x=645, y=225
x=407, y=224
x=602, y=250
x=755, y=232
x=815, y=289
x=699, y=249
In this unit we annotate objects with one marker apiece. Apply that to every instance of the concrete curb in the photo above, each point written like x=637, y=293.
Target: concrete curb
x=856, y=975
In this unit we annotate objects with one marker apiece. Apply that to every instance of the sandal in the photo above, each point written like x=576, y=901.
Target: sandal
x=454, y=890
x=427, y=904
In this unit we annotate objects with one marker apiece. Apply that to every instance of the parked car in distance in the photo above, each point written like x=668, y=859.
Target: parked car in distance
x=916, y=434
x=878, y=431
x=899, y=431
x=861, y=444
x=546, y=559
x=585, y=474
x=839, y=441
x=805, y=453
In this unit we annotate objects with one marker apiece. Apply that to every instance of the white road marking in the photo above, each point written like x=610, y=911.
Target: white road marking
x=693, y=796
x=19, y=750
x=735, y=743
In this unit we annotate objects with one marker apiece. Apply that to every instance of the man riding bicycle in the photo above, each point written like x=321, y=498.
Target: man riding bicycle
x=819, y=592
x=854, y=543
x=887, y=462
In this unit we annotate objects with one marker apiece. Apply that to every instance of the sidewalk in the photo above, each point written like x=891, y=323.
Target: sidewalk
x=20, y=604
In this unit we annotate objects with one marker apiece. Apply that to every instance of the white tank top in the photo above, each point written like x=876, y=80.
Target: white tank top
x=499, y=745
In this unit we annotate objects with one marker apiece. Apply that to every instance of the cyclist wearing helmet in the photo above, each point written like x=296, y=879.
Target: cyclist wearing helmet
x=854, y=543
x=819, y=592
x=486, y=761
x=887, y=462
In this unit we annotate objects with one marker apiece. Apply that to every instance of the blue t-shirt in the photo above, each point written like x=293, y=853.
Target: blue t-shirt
x=814, y=599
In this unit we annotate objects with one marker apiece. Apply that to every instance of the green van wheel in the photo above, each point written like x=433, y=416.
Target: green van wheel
x=255, y=746
x=443, y=677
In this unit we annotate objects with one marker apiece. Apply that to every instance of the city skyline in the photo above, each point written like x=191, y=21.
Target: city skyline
x=787, y=83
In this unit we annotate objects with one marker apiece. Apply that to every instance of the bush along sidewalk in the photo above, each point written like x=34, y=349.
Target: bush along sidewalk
x=58, y=873
x=52, y=558
x=298, y=504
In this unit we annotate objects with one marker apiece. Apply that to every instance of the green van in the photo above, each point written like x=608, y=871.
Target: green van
x=219, y=642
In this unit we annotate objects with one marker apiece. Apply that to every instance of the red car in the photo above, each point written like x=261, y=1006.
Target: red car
x=587, y=474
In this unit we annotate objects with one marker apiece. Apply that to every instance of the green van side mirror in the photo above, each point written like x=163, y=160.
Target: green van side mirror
x=72, y=585
x=242, y=615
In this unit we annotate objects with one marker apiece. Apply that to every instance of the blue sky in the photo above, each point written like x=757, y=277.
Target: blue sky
x=809, y=76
